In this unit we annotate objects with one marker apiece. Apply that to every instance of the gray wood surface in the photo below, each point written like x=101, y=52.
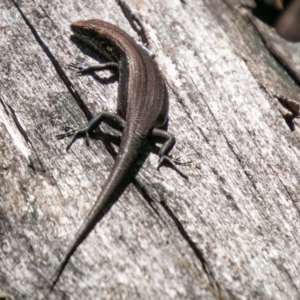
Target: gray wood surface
x=230, y=232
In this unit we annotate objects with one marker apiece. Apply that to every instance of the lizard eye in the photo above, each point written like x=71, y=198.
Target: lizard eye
x=86, y=31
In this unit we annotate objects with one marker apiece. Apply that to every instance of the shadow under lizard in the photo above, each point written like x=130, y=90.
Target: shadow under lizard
x=142, y=109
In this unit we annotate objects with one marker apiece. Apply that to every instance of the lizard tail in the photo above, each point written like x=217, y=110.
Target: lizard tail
x=125, y=159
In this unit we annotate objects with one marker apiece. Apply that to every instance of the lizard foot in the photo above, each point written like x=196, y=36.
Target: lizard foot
x=76, y=133
x=173, y=162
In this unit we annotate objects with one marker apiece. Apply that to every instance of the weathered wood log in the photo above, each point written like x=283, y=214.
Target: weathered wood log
x=230, y=232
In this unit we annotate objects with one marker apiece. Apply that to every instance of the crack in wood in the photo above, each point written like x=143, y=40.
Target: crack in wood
x=56, y=66
x=134, y=21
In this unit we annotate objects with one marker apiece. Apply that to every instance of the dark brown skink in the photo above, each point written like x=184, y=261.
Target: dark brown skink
x=142, y=108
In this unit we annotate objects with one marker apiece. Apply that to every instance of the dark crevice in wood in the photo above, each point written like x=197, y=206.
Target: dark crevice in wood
x=56, y=66
x=134, y=21
x=289, y=120
x=199, y=254
x=4, y=106
x=19, y=126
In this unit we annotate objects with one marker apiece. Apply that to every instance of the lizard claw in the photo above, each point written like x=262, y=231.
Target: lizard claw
x=75, y=132
x=173, y=162
x=81, y=69
x=69, y=131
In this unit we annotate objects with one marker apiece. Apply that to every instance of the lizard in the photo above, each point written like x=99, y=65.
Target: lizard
x=142, y=110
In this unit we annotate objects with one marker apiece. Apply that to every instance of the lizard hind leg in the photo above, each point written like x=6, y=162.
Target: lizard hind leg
x=166, y=148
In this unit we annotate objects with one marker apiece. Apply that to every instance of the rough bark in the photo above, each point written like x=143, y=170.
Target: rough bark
x=230, y=232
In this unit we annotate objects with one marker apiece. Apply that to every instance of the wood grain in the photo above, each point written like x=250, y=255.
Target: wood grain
x=230, y=232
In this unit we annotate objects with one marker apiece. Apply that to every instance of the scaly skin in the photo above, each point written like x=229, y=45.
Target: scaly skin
x=142, y=108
